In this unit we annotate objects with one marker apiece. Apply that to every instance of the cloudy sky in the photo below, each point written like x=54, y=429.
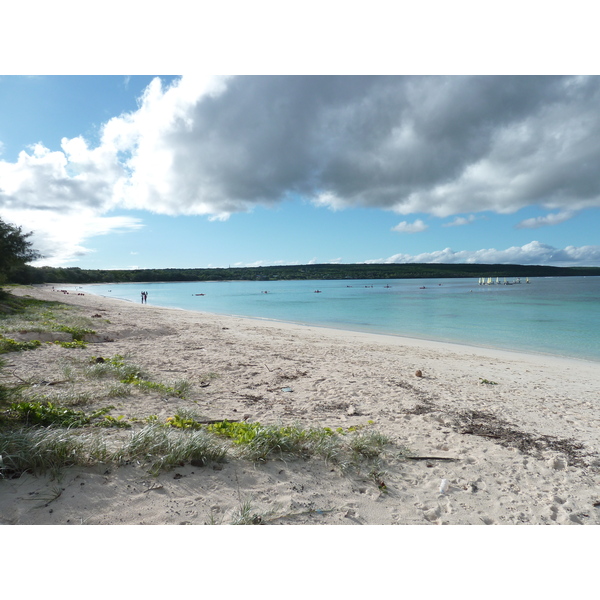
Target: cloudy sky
x=198, y=171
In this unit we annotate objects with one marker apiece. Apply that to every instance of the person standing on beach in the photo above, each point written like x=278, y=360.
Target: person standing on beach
x=142, y=297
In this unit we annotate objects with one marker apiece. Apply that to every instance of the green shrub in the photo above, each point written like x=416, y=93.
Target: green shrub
x=74, y=344
x=48, y=414
x=10, y=345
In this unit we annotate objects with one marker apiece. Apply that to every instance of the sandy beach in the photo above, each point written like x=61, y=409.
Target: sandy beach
x=494, y=437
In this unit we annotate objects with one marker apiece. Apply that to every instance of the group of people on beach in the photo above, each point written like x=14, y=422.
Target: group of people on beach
x=67, y=291
x=144, y=297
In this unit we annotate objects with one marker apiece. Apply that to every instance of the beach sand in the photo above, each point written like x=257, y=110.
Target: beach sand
x=496, y=437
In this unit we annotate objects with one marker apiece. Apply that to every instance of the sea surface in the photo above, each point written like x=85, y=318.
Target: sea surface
x=556, y=315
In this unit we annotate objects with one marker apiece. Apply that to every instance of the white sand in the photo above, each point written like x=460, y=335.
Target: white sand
x=338, y=379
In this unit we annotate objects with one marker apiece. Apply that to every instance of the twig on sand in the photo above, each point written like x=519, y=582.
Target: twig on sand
x=446, y=458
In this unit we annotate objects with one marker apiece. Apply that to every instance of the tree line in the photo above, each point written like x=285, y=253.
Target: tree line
x=26, y=274
x=16, y=252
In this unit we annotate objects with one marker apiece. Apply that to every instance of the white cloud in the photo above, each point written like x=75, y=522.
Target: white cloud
x=406, y=227
x=550, y=219
x=460, y=221
x=534, y=253
x=60, y=237
x=214, y=146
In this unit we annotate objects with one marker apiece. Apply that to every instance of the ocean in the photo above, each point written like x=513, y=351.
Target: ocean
x=558, y=316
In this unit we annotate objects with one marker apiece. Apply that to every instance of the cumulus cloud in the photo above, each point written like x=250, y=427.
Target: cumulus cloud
x=438, y=145
x=406, y=227
x=550, y=219
x=533, y=253
x=441, y=146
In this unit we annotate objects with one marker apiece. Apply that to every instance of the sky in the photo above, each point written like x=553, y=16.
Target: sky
x=277, y=167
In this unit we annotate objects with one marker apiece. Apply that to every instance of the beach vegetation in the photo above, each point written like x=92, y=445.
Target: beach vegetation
x=10, y=345
x=49, y=414
x=76, y=331
x=368, y=444
x=110, y=421
x=74, y=344
x=5, y=391
x=28, y=315
x=128, y=373
x=487, y=381
x=41, y=450
x=119, y=390
x=161, y=449
x=117, y=367
x=66, y=398
x=15, y=250
x=245, y=514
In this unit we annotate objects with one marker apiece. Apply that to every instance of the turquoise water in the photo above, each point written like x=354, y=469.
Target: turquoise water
x=558, y=316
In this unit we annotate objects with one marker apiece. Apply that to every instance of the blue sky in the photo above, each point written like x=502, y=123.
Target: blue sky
x=209, y=171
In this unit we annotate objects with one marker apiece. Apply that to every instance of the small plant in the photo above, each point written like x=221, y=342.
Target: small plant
x=487, y=381
x=116, y=366
x=48, y=414
x=40, y=450
x=378, y=476
x=63, y=398
x=259, y=442
x=77, y=332
x=73, y=344
x=119, y=391
x=129, y=374
x=245, y=515
x=110, y=421
x=163, y=449
x=368, y=444
x=10, y=345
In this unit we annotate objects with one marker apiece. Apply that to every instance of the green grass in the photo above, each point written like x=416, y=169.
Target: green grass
x=119, y=367
x=28, y=314
x=41, y=450
x=161, y=448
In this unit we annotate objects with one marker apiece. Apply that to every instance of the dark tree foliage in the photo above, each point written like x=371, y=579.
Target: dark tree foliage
x=15, y=250
x=74, y=275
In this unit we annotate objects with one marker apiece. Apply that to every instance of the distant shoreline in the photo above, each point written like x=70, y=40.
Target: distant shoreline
x=402, y=339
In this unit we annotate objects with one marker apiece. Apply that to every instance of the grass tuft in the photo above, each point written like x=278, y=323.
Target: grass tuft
x=163, y=449
x=41, y=450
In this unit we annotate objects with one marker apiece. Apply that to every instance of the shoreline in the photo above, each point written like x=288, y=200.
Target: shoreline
x=516, y=436
x=403, y=338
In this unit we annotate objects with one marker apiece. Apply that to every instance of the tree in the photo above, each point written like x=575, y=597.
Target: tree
x=15, y=249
